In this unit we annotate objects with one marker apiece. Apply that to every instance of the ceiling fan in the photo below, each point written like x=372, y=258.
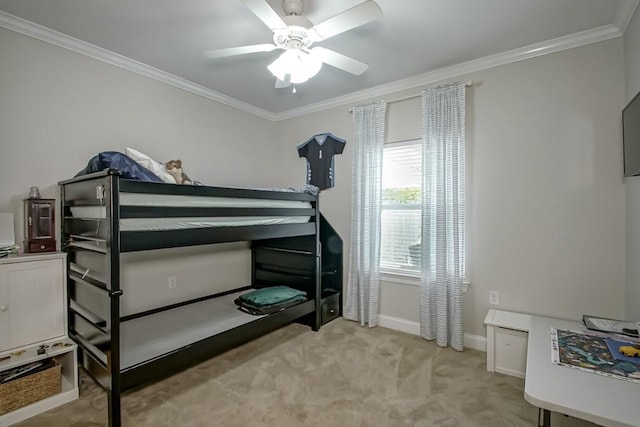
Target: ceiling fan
x=295, y=34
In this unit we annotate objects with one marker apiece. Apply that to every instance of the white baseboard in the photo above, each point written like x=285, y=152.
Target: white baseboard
x=476, y=342
x=398, y=324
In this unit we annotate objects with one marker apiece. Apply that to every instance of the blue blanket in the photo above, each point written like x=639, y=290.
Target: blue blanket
x=127, y=167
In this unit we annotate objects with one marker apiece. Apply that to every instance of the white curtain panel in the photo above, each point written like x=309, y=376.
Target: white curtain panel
x=361, y=303
x=443, y=128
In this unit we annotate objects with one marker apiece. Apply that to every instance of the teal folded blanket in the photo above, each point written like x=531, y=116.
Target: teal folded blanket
x=274, y=295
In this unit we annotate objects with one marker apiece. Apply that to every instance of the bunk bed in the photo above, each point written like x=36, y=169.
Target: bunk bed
x=105, y=216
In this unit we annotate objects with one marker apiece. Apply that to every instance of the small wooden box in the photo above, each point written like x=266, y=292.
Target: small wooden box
x=31, y=388
x=40, y=225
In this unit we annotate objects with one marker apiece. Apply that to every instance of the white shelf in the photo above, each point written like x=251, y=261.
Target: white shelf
x=65, y=354
x=23, y=355
x=34, y=314
x=21, y=414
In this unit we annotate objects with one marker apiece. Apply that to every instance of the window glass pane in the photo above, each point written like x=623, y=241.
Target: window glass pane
x=401, y=198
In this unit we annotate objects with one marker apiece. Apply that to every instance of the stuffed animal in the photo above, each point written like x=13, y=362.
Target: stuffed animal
x=174, y=167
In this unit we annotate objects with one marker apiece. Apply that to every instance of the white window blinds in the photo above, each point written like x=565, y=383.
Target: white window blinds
x=401, y=204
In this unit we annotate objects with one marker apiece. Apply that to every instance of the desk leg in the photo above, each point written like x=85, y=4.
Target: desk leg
x=544, y=417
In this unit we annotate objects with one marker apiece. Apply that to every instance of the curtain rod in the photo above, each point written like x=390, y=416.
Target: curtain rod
x=467, y=84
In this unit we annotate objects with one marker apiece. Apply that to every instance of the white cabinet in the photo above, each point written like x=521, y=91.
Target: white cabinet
x=33, y=313
x=32, y=299
x=507, y=335
x=510, y=351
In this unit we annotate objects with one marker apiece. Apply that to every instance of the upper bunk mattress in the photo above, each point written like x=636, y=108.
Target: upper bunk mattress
x=167, y=200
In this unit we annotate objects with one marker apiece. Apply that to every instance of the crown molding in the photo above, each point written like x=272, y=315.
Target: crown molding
x=624, y=14
x=48, y=35
x=539, y=49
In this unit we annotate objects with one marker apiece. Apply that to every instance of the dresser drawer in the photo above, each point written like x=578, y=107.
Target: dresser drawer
x=45, y=246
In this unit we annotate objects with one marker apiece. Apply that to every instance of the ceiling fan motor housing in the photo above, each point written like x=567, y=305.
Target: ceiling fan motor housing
x=296, y=35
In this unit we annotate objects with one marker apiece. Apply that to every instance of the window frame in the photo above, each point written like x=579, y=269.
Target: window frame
x=398, y=274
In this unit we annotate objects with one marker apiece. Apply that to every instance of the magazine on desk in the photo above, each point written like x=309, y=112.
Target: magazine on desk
x=591, y=352
x=613, y=326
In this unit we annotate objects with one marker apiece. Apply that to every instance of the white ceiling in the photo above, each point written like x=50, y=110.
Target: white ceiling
x=414, y=38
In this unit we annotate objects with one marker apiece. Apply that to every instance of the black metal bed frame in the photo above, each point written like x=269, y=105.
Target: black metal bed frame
x=281, y=254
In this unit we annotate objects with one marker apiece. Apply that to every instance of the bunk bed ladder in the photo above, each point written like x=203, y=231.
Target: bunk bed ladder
x=94, y=297
x=311, y=263
x=332, y=272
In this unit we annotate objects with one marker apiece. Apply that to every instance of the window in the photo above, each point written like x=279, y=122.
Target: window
x=401, y=208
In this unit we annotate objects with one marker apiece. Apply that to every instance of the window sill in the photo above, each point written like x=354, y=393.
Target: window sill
x=402, y=279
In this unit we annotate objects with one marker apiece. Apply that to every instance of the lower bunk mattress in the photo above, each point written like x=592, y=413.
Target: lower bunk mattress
x=151, y=336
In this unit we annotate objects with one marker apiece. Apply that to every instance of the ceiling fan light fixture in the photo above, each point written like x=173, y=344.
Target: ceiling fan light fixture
x=295, y=34
x=299, y=65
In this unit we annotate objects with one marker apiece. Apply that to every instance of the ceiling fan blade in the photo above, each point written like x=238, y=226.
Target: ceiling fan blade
x=350, y=18
x=338, y=60
x=265, y=13
x=241, y=50
x=284, y=83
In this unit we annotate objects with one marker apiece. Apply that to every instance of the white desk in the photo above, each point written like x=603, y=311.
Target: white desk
x=589, y=396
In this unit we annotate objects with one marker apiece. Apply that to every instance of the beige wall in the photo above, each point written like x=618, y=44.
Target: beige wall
x=59, y=108
x=546, y=211
x=546, y=214
x=632, y=74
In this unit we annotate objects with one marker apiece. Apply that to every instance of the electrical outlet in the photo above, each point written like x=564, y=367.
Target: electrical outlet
x=494, y=297
x=173, y=282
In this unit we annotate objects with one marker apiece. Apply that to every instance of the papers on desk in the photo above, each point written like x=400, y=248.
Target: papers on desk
x=614, y=348
x=6, y=250
x=610, y=325
x=7, y=238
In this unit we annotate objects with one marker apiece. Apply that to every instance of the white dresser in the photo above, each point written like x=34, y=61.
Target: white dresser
x=33, y=315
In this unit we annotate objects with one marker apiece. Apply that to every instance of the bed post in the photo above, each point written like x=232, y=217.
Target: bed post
x=318, y=270
x=113, y=392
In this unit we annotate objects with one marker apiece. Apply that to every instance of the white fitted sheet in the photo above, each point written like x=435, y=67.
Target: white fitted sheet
x=139, y=199
x=160, y=200
x=151, y=336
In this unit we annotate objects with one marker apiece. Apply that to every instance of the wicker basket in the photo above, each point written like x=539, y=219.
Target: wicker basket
x=31, y=388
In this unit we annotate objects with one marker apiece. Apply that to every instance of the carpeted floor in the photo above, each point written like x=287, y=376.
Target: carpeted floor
x=343, y=375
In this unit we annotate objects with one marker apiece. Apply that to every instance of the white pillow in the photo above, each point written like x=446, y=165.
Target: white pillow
x=147, y=162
